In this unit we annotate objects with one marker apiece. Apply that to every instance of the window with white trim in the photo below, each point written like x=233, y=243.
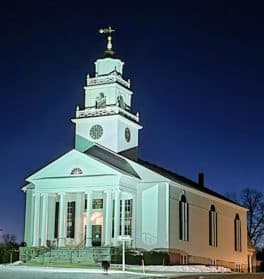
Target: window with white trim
x=213, y=226
x=183, y=259
x=183, y=219
x=237, y=233
x=71, y=219
x=212, y=261
x=127, y=217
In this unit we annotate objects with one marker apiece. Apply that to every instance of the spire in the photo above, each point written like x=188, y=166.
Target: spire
x=109, y=51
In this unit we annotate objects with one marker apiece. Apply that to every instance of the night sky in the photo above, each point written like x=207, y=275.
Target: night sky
x=196, y=70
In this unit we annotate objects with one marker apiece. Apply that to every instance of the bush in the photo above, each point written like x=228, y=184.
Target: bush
x=261, y=267
x=4, y=256
x=5, y=252
x=156, y=258
x=134, y=257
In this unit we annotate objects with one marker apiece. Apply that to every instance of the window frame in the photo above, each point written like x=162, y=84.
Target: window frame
x=237, y=234
x=213, y=227
x=183, y=219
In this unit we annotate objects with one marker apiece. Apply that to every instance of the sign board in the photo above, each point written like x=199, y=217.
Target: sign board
x=124, y=237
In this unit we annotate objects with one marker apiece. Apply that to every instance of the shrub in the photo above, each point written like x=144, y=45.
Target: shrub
x=134, y=257
x=156, y=258
x=5, y=252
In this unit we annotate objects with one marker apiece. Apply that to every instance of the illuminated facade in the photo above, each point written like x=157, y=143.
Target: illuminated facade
x=100, y=189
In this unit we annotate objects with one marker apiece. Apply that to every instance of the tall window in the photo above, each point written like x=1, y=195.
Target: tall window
x=70, y=219
x=113, y=218
x=237, y=233
x=212, y=227
x=127, y=217
x=56, y=225
x=184, y=219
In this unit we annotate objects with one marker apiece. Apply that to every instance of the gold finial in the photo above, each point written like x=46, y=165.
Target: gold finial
x=108, y=31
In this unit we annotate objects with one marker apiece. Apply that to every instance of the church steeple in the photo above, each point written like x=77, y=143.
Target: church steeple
x=107, y=116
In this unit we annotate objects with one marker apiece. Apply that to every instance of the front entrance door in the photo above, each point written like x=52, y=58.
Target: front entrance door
x=96, y=235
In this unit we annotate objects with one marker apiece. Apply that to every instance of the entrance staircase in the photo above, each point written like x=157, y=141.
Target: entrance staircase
x=65, y=255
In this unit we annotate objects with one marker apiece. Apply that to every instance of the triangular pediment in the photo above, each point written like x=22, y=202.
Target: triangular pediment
x=73, y=164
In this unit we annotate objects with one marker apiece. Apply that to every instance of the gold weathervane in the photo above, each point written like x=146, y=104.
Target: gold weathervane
x=108, y=31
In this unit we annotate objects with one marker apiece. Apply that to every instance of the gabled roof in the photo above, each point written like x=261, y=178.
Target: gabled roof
x=111, y=158
x=186, y=181
x=120, y=162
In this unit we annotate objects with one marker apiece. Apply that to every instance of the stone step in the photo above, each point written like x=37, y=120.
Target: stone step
x=74, y=255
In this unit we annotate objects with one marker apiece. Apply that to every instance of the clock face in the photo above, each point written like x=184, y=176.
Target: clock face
x=127, y=134
x=96, y=132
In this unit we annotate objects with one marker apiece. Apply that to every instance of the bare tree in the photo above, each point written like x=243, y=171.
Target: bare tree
x=253, y=200
x=9, y=239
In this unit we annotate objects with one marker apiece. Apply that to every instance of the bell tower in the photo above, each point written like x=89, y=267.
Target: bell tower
x=107, y=116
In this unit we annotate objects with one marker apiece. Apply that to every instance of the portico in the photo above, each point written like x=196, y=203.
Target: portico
x=89, y=218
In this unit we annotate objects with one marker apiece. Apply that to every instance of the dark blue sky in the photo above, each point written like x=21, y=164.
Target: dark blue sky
x=196, y=69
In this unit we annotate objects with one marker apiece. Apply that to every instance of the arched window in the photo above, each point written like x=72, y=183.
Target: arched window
x=76, y=171
x=213, y=226
x=183, y=219
x=237, y=233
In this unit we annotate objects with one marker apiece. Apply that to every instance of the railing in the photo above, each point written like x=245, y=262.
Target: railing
x=107, y=79
x=109, y=110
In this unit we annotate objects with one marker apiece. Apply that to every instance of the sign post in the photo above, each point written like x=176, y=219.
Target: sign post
x=142, y=262
x=124, y=238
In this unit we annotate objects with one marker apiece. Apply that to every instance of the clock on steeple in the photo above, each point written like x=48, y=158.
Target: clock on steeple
x=107, y=118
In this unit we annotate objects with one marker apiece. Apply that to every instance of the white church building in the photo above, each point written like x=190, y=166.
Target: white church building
x=100, y=190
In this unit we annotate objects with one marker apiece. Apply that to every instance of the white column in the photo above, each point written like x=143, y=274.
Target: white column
x=133, y=232
x=123, y=217
x=51, y=218
x=138, y=218
x=62, y=220
x=78, y=218
x=36, y=219
x=28, y=219
x=44, y=219
x=108, y=218
x=250, y=264
x=88, y=242
x=31, y=234
x=117, y=217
